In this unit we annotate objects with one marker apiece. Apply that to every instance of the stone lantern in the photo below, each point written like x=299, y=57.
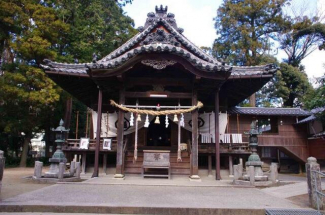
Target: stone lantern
x=254, y=159
x=253, y=143
x=58, y=156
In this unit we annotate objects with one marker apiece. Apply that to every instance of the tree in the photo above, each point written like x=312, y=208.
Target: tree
x=96, y=26
x=245, y=28
x=27, y=94
x=291, y=85
x=60, y=30
x=302, y=38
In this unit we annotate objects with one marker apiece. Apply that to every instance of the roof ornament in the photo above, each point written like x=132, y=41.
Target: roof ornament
x=161, y=10
x=158, y=64
x=94, y=57
x=160, y=36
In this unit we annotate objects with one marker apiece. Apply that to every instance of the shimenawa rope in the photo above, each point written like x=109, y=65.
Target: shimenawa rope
x=157, y=113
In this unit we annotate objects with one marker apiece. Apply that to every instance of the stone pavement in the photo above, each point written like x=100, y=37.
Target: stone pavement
x=289, y=190
x=132, y=196
x=136, y=195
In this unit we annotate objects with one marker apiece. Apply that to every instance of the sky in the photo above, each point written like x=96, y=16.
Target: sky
x=196, y=18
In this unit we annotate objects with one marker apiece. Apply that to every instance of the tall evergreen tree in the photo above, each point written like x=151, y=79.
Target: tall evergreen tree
x=60, y=30
x=245, y=28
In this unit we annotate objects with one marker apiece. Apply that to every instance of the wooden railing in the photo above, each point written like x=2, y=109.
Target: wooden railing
x=74, y=144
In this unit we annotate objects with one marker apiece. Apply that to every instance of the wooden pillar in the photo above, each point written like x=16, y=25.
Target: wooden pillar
x=231, y=172
x=98, y=131
x=120, y=132
x=195, y=131
x=217, y=135
x=104, y=163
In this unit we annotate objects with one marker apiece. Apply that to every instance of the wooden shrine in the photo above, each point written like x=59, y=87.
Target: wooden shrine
x=161, y=66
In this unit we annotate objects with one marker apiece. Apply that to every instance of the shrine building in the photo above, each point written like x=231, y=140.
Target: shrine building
x=160, y=104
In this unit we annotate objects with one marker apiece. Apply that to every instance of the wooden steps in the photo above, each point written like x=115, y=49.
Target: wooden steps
x=179, y=168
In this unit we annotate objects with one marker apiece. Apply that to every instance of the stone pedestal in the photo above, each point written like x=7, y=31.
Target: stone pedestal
x=258, y=173
x=2, y=166
x=314, y=183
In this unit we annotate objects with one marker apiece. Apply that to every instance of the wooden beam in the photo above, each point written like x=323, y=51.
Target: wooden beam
x=98, y=131
x=157, y=81
x=168, y=94
x=120, y=137
x=217, y=137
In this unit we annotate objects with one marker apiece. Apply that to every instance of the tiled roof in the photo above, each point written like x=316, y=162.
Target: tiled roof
x=318, y=110
x=242, y=71
x=312, y=117
x=308, y=119
x=269, y=111
x=159, y=41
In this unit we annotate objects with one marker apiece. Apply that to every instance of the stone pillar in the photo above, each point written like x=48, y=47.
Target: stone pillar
x=72, y=167
x=240, y=166
x=61, y=170
x=78, y=169
x=236, y=173
x=2, y=166
x=314, y=182
x=209, y=165
x=38, y=169
x=274, y=172
x=231, y=171
x=84, y=160
x=252, y=175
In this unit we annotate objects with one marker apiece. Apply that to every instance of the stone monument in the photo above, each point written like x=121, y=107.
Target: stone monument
x=314, y=184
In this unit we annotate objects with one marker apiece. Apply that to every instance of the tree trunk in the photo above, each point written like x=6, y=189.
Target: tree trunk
x=252, y=100
x=23, y=158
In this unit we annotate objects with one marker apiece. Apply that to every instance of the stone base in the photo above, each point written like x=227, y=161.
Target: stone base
x=55, y=175
x=256, y=183
x=257, y=178
x=44, y=180
x=119, y=176
x=195, y=178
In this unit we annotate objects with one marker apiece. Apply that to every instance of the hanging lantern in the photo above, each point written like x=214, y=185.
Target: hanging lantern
x=175, y=118
x=146, y=123
x=157, y=121
x=166, y=121
x=131, y=119
x=182, y=122
x=139, y=118
x=281, y=122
